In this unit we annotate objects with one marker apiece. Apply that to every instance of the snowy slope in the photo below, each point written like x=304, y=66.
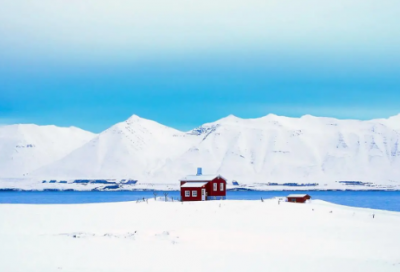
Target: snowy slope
x=24, y=148
x=392, y=122
x=134, y=148
x=272, y=149
x=307, y=149
x=204, y=236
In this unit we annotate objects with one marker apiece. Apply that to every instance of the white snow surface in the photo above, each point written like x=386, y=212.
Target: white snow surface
x=194, y=184
x=24, y=148
x=270, y=149
x=199, y=178
x=297, y=195
x=203, y=236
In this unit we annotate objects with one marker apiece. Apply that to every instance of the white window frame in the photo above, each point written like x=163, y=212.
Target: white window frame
x=187, y=193
x=221, y=186
x=194, y=193
x=215, y=187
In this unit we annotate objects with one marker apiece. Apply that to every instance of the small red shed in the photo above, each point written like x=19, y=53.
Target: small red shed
x=203, y=187
x=298, y=198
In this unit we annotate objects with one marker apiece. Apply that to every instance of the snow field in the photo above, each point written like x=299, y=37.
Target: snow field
x=202, y=236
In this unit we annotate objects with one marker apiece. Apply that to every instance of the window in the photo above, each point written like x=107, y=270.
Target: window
x=215, y=186
x=221, y=186
x=194, y=193
x=187, y=193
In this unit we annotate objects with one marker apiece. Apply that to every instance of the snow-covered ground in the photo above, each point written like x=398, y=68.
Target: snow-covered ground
x=202, y=236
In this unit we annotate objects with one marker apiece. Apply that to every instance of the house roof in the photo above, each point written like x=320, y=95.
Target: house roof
x=297, y=195
x=193, y=184
x=201, y=177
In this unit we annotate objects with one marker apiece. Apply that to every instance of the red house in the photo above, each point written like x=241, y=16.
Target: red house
x=203, y=187
x=298, y=198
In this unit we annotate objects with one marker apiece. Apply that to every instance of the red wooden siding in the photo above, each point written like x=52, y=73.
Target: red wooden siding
x=299, y=199
x=218, y=192
x=191, y=197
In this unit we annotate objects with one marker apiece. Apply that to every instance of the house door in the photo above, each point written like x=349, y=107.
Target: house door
x=203, y=194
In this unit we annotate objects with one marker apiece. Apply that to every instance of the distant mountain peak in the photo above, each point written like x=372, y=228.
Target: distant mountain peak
x=270, y=148
x=134, y=118
x=270, y=115
x=27, y=147
x=231, y=116
x=229, y=119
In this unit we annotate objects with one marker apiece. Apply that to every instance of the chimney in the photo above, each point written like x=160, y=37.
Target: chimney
x=199, y=171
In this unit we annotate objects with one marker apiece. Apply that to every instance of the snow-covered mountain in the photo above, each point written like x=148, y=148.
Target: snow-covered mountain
x=24, y=148
x=268, y=149
x=134, y=148
x=272, y=149
x=392, y=122
x=307, y=149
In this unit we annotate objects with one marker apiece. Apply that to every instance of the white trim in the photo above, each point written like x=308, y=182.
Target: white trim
x=215, y=187
x=194, y=193
x=187, y=193
x=203, y=194
x=221, y=186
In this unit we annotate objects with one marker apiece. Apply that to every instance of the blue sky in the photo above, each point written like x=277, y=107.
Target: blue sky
x=184, y=63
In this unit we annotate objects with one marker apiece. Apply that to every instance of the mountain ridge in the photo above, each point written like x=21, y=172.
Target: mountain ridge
x=271, y=148
x=26, y=147
x=267, y=149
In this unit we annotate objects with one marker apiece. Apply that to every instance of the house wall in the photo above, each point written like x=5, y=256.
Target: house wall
x=190, y=198
x=210, y=187
x=297, y=199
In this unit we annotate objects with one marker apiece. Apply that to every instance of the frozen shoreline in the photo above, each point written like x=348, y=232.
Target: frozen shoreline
x=28, y=184
x=33, y=185
x=175, y=190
